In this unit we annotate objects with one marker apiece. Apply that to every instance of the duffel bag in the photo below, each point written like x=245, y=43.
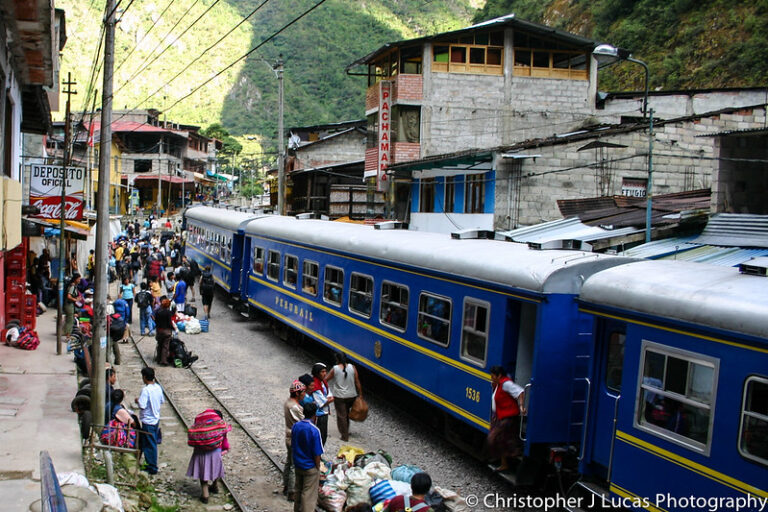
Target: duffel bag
x=28, y=340
x=208, y=431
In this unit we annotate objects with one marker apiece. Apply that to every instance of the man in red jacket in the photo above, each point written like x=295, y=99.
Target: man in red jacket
x=507, y=405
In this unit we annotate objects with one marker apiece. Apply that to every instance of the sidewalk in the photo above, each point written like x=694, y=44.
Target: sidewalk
x=36, y=388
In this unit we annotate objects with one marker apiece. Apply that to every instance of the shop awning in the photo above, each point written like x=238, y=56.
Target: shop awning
x=163, y=178
x=201, y=178
x=78, y=230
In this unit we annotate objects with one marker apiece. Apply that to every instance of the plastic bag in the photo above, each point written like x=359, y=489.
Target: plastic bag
x=350, y=452
x=359, y=483
x=377, y=471
x=192, y=326
x=359, y=410
x=367, y=458
x=405, y=472
x=331, y=499
x=401, y=488
x=452, y=501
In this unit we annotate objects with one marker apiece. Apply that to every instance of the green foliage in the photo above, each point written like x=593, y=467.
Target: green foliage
x=230, y=145
x=686, y=43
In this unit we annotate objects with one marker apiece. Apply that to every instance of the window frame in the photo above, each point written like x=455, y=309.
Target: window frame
x=316, y=277
x=351, y=289
x=382, y=304
x=668, y=435
x=270, y=265
x=255, y=259
x=326, y=268
x=424, y=293
x=462, y=344
x=474, y=203
x=753, y=458
x=286, y=271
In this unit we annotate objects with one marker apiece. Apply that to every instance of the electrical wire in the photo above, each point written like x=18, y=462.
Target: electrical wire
x=156, y=23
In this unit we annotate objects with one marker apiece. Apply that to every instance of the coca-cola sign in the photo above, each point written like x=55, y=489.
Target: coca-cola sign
x=45, y=191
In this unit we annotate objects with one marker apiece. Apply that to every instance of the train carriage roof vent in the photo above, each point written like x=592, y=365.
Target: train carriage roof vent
x=755, y=267
x=391, y=224
x=568, y=244
x=311, y=215
x=473, y=234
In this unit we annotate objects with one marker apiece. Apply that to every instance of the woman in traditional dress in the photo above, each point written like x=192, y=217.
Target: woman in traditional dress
x=206, y=464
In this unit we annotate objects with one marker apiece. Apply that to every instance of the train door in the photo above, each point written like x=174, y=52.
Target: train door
x=605, y=396
x=245, y=267
x=524, y=359
x=235, y=252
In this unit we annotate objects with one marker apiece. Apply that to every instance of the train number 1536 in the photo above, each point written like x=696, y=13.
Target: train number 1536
x=473, y=394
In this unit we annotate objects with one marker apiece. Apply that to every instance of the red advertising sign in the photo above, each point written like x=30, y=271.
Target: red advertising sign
x=385, y=102
x=45, y=191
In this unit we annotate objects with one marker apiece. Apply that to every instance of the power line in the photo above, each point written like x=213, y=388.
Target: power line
x=156, y=23
x=149, y=55
x=262, y=43
x=196, y=59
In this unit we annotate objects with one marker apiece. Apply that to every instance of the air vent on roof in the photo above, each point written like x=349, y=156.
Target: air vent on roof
x=755, y=267
x=392, y=224
x=308, y=215
x=578, y=245
x=473, y=234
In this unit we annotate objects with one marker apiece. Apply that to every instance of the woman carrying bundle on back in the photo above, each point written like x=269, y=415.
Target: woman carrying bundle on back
x=208, y=436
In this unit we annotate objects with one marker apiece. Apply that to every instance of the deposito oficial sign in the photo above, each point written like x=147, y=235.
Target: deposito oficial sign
x=45, y=191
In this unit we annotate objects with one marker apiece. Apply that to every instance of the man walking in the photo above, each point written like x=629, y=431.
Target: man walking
x=293, y=412
x=149, y=403
x=307, y=449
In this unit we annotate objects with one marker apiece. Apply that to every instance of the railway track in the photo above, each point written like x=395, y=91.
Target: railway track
x=252, y=472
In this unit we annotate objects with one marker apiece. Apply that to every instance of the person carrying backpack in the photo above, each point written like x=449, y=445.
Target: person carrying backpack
x=144, y=303
x=207, y=287
x=420, y=485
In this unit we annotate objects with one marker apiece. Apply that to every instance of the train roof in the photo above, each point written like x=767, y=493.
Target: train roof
x=505, y=263
x=707, y=295
x=220, y=217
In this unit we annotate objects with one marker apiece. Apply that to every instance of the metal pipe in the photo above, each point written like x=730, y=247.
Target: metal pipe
x=649, y=188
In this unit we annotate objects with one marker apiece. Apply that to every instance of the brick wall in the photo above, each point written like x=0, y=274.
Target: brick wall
x=371, y=159
x=682, y=160
x=404, y=151
x=372, y=97
x=408, y=88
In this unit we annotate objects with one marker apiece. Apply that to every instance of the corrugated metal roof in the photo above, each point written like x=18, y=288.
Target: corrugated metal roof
x=660, y=248
x=564, y=229
x=684, y=249
x=735, y=230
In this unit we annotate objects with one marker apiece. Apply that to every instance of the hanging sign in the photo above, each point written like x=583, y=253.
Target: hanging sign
x=385, y=117
x=45, y=191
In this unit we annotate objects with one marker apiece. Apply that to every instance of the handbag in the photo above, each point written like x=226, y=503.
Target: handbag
x=359, y=410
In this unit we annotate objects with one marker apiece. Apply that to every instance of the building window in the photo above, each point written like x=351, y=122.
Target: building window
x=427, y=195
x=394, y=305
x=372, y=133
x=309, y=276
x=258, y=260
x=474, y=331
x=142, y=165
x=481, y=53
x=360, y=294
x=404, y=60
x=434, y=321
x=676, y=395
x=450, y=194
x=753, y=434
x=333, y=285
x=273, y=266
x=406, y=124
x=474, y=193
x=542, y=58
x=290, y=275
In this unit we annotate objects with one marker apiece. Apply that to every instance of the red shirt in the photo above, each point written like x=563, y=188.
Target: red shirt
x=397, y=504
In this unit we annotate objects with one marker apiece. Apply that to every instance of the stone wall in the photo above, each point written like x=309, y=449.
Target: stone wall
x=340, y=149
x=684, y=158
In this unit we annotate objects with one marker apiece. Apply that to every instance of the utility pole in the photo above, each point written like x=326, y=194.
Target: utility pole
x=99, y=339
x=278, y=68
x=63, y=206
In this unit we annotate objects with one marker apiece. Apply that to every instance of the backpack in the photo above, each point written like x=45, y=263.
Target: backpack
x=208, y=431
x=28, y=340
x=143, y=299
x=206, y=283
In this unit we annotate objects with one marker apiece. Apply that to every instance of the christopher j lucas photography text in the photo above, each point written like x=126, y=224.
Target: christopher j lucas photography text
x=667, y=501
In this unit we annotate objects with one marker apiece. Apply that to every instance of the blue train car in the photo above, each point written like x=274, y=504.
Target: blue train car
x=678, y=412
x=432, y=314
x=215, y=237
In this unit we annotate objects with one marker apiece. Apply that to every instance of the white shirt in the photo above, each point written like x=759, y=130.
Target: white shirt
x=150, y=400
x=343, y=387
x=510, y=388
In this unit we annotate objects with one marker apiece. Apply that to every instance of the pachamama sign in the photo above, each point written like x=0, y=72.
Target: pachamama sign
x=385, y=117
x=45, y=191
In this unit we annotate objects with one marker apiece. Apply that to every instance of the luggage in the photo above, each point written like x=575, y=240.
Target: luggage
x=118, y=434
x=359, y=410
x=204, y=324
x=28, y=340
x=381, y=491
x=190, y=310
x=208, y=431
x=180, y=355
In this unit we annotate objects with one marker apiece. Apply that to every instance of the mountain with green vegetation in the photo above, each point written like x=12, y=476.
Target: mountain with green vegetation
x=179, y=57
x=687, y=44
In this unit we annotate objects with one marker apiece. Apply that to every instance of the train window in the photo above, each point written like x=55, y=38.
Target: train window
x=434, y=320
x=474, y=330
x=333, y=285
x=273, y=266
x=360, y=294
x=309, y=274
x=753, y=433
x=614, y=361
x=291, y=272
x=258, y=260
x=676, y=395
x=394, y=305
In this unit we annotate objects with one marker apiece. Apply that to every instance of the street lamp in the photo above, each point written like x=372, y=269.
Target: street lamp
x=605, y=55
